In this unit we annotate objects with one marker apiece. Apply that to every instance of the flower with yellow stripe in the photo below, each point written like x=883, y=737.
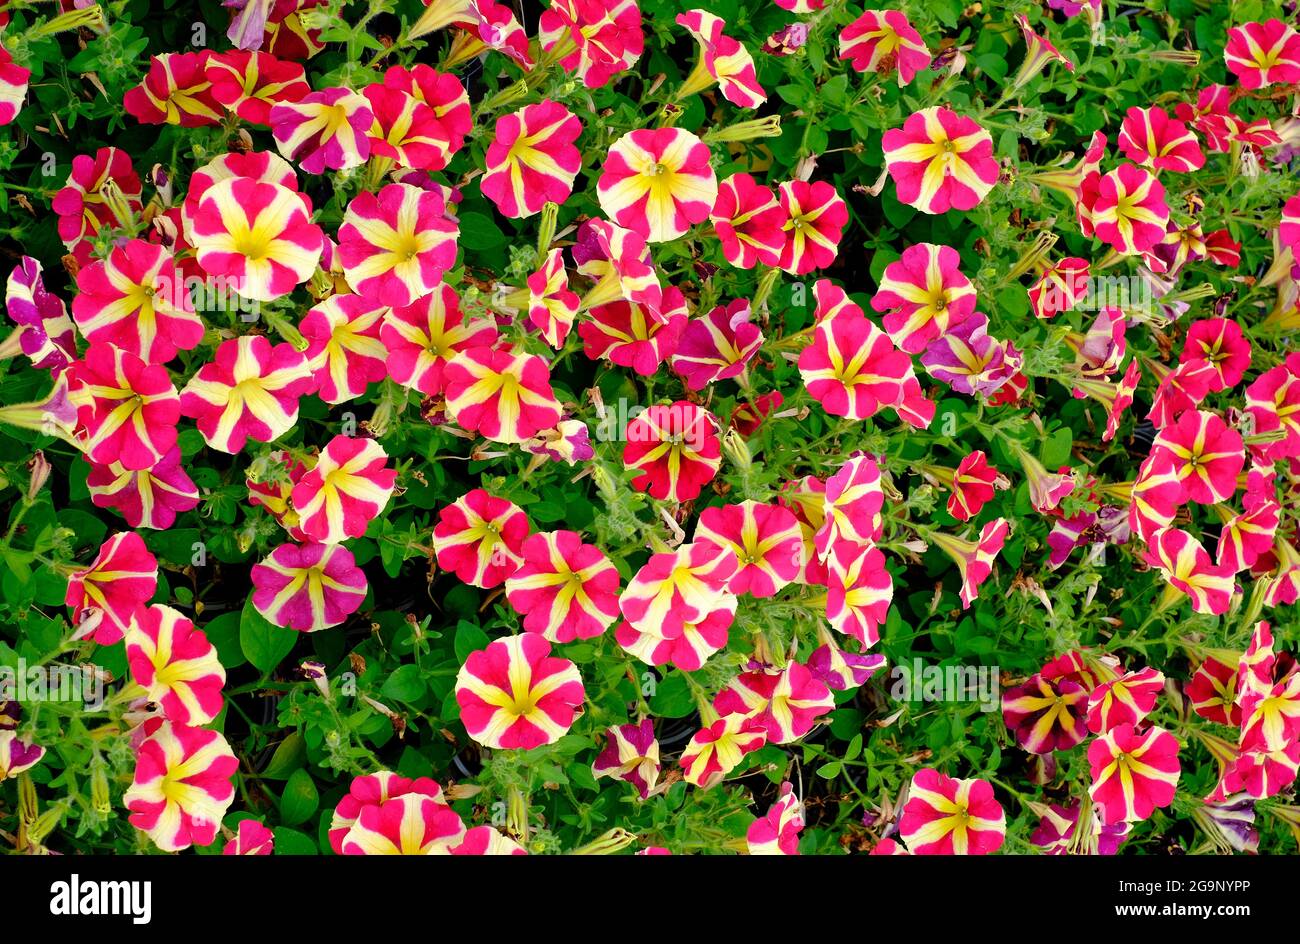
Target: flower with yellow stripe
x=422, y=337
x=676, y=449
x=183, y=785
x=657, y=182
x=502, y=394
x=922, y=295
x=946, y=816
x=176, y=665
x=480, y=538
x=344, y=350
x=723, y=59
x=175, y=91
x=348, y=488
x=1129, y=212
x=325, y=130
x=1133, y=773
x=129, y=409
x=766, y=540
x=515, y=695
x=395, y=247
x=552, y=308
x=565, y=589
x=249, y=389
x=146, y=498
x=940, y=161
x=105, y=596
x=412, y=824
x=532, y=159
x=308, y=587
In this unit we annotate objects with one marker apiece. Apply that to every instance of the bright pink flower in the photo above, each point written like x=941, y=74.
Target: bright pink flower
x=1125, y=700
x=883, y=41
x=944, y=816
x=325, y=130
x=858, y=591
x=485, y=840
x=657, y=182
x=1247, y=537
x=348, y=488
x=105, y=596
x=532, y=159
x=675, y=588
x=631, y=754
x=975, y=559
x=1273, y=403
x=1151, y=138
x=718, y=748
x=344, y=351
x=480, y=538
x=923, y=295
x=84, y=206
x=552, y=308
x=1212, y=692
x=722, y=59
x=564, y=589
x=675, y=448
x=1046, y=714
x=501, y=394
x=1220, y=343
x=183, y=786
x=1262, y=54
x=777, y=832
x=444, y=94
x=1187, y=567
x=176, y=91
x=249, y=84
x=13, y=87
x=249, y=389
x=176, y=665
x=973, y=484
x=129, y=409
x=308, y=587
x=718, y=345
x=408, y=825
x=146, y=498
x=421, y=338
x=688, y=651
x=371, y=792
x=748, y=222
x=940, y=160
x=1060, y=287
x=766, y=540
x=619, y=262
x=251, y=838
x=396, y=246
x=1130, y=213
x=1207, y=455
x=597, y=39
x=515, y=695
x=1133, y=773
x=629, y=335
x=851, y=503
x=815, y=219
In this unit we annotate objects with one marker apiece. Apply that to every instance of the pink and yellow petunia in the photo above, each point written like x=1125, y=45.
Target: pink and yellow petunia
x=718, y=748
x=1152, y=139
x=308, y=587
x=884, y=42
x=106, y=595
x=631, y=335
x=940, y=161
x=1129, y=212
x=325, y=130
x=631, y=754
x=1132, y=773
x=944, y=816
x=723, y=59
x=748, y=221
x=128, y=409
x=421, y=338
x=182, y=787
x=100, y=192
x=657, y=183
x=718, y=345
x=250, y=84
x=777, y=831
x=515, y=695
x=1263, y=54
x=502, y=394
x=412, y=824
x=348, y=488
x=675, y=588
x=532, y=159
x=1206, y=454
x=675, y=448
x=1046, y=714
x=922, y=295
x=766, y=540
x=344, y=351
x=594, y=39
x=146, y=498
x=175, y=91
x=396, y=246
x=176, y=665
x=480, y=538
x=552, y=308
x=815, y=217
x=564, y=589
x=858, y=591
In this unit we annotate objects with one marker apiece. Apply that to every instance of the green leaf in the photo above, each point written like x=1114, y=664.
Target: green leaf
x=469, y=638
x=405, y=684
x=300, y=799
x=290, y=754
x=292, y=842
x=264, y=644
x=478, y=231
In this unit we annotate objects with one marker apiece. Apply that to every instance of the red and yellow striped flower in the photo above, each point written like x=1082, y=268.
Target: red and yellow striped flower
x=344, y=350
x=446, y=97
x=106, y=595
x=1263, y=54
x=940, y=161
x=176, y=665
x=374, y=790
x=851, y=502
x=515, y=695
x=884, y=41
x=485, y=840
x=84, y=206
x=552, y=308
x=619, y=261
x=766, y=540
x=1151, y=138
x=249, y=84
x=146, y=498
x=395, y=247
x=944, y=816
x=718, y=345
x=347, y=489
x=1213, y=692
x=675, y=448
x=777, y=832
x=129, y=409
x=412, y=824
x=422, y=337
x=176, y=91
x=1046, y=713
x=657, y=182
x=631, y=335
x=308, y=587
x=502, y=394
x=689, y=650
x=250, y=389
x=258, y=235
x=594, y=39
x=749, y=222
x=785, y=702
x=565, y=589
x=1129, y=213
x=718, y=748
x=13, y=87
x=922, y=295
x=723, y=60
x=1207, y=455
x=136, y=301
x=1132, y=773
x=182, y=787
x=480, y=538
x=815, y=217
x=631, y=754
x=1125, y=700
x=324, y=130
x=532, y=159
x=974, y=559
x=261, y=166
x=251, y=838
x=674, y=588
x=858, y=591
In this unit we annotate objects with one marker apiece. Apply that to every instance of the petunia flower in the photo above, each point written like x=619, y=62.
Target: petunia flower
x=766, y=540
x=631, y=754
x=129, y=409
x=1188, y=568
x=944, y=816
x=1132, y=773
x=1039, y=52
x=777, y=831
x=675, y=588
x=564, y=589
x=532, y=159
x=657, y=183
x=176, y=665
x=1220, y=343
x=690, y=648
x=344, y=351
x=502, y=394
x=723, y=60
x=1129, y=213
x=1263, y=54
x=1207, y=455
x=1058, y=833
x=325, y=130
x=260, y=166
x=842, y=670
x=406, y=131
x=552, y=308
x=249, y=83
x=973, y=484
x=594, y=40
x=372, y=791
x=1273, y=405
x=182, y=787
x=349, y=487
x=1125, y=700
x=1212, y=692
x=515, y=695
x=718, y=345
x=923, y=295
x=748, y=221
x=250, y=389
x=940, y=160
x=480, y=538
x=858, y=591
x=485, y=840
x=974, y=559
x=569, y=441
x=884, y=42
x=1060, y=287
x=630, y=335
x=13, y=87
x=421, y=338
x=1152, y=139
x=396, y=246
x=1248, y=536
x=815, y=217
x=675, y=450
x=17, y=756
x=146, y=498
x=105, y=596
x=251, y=838
x=136, y=300
x=1046, y=714
x=258, y=235
x=718, y=748
x=101, y=191
x=412, y=824
x=45, y=332
x=1156, y=495
x=619, y=262
x=851, y=502
x=308, y=587
x=970, y=360
x=175, y=91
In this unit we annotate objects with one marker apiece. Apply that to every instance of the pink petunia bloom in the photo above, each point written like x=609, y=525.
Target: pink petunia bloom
x=251, y=838
x=1130, y=213
x=421, y=338
x=594, y=40
x=675, y=449
x=349, y=487
x=183, y=786
x=532, y=159
x=480, y=538
x=1046, y=714
x=923, y=295
x=515, y=695
x=1125, y=700
x=631, y=754
x=851, y=503
x=973, y=485
x=1133, y=773
x=676, y=588
x=308, y=587
x=1188, y=568
x=940, y=160
x=105, y=596
x=718, y=748
x=657, y=183
x=718, y=345
x=815, y=219
x=944, y=816
x=501, y=394
x=564, y=589
x=858, y=591
x=100, y=191
x=146, y=498
x=344, y=351
x=974, y=559
x=723, y=60
x=325, y=130
x=249, y=84
x=777, y=832
x=396, y=246
x=1207, y=455
x=629, y=335
x=176, y=91
x=552, y=308
x=1060, y=287
x=748, y=222
x=1263, y=54
x=176, y=665
x=45, y=332
x=129, y=409
x=1152, y=139
x=884, y=42
x=1220, y=343
x=766, y=540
